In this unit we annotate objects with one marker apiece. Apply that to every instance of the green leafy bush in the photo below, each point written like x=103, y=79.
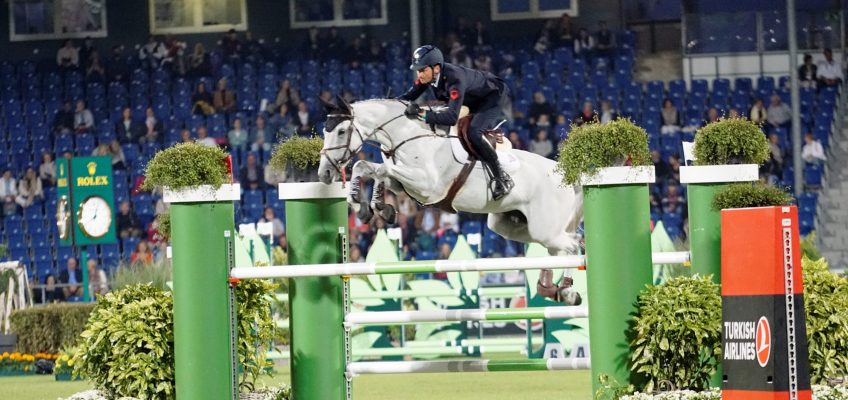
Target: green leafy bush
x=128, y=345
x=163, y=229
x=186, y=165
x=826, y=305
x=809, y=248
x=712, y=394
x=157, y=274
x=50, y=328
x=677, y=333
x=593, y=146
x=731, y=141
x=746, y=194
x=257, y=330
x=298, y=151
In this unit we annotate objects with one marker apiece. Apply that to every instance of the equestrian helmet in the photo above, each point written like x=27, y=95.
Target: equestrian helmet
x=426, y=56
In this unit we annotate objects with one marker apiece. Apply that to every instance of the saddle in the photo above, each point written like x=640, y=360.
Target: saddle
x=493, y=136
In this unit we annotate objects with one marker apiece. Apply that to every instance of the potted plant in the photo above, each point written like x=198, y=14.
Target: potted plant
x=726, y=151
x=63, y=367
x=299, y=157
x=197, y=181
x=612, y=163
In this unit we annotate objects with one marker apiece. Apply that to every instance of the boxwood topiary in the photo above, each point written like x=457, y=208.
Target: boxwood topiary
x=677, y=333
x=826, y=306
x=731, y=141
x=298, y=151
x=593, y=146
x=746, y=194
x=187, y=165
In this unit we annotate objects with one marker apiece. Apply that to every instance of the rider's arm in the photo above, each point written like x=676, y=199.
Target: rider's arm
x=450, y=115
x=414, y=92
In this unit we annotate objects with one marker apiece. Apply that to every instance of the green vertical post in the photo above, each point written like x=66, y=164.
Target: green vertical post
x=314, y=214
x=618, y=263
x=83, y=264
x=200, y=219
x=703, y=182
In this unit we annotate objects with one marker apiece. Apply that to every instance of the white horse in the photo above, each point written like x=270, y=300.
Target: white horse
x=424, y=162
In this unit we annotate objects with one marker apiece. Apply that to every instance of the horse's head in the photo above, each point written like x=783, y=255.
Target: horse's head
x=341, y=140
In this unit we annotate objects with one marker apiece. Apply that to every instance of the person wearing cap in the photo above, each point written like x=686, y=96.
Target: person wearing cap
x=485, y=95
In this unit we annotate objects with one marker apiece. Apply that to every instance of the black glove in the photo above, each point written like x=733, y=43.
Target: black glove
x=413, y=111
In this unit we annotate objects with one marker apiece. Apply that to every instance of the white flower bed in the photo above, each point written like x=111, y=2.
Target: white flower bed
x=820, y=392
x=275, y=393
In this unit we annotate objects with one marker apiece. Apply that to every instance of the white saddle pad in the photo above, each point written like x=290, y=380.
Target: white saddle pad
x=508, y=161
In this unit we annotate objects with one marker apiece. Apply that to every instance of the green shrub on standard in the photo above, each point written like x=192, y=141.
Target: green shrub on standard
x=677, y=333
x=186, y=165
x=747, y=194
x=731, y=141
x=298, y=151
x=50, y=328
x=826, y=306
x=157, y=274
x=593, y=146
x=163, y=227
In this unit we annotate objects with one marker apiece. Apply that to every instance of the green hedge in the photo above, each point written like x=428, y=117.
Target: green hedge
x=49, y=329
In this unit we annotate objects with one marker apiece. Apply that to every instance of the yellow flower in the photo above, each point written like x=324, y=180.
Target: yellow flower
x=64, y=357
x=71, y=362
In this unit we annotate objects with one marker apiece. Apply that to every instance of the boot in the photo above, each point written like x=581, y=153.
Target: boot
x=501, y=181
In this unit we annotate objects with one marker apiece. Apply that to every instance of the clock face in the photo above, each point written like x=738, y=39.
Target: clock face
x=62, y=217
x=94, y=217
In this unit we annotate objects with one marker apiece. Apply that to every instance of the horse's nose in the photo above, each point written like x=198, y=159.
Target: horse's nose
x=326, y=177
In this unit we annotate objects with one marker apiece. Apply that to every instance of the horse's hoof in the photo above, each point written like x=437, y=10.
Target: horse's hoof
x=387, y=212
x=545, y=285
x=569, y=297
x=354, y=191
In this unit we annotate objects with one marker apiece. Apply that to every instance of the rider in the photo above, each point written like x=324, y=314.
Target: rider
x=485, y=95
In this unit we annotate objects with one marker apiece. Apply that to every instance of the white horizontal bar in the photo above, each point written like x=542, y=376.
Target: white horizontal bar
x=670, y=257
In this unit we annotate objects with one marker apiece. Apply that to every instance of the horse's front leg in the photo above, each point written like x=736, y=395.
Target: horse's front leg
x=361, y=170
x=378, y=201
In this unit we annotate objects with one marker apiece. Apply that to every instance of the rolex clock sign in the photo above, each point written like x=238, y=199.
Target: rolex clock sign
x=85, y=201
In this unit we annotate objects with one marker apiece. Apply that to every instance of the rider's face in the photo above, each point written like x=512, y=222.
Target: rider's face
x=425, y=75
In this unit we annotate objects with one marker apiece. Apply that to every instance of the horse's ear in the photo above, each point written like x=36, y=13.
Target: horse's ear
x=344, y=106
x=328, y=106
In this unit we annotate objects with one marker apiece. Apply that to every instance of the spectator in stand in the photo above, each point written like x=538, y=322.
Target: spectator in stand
x=670, y=118
x=116, y=65
x=85, y=51
x=260, y=135
x=564, y=32
x=127, y=130
x=231, y=45
x=813, y=152
x=673, y=202
x=152, y=128
x=269, y=217
x=286, y=95
x=654, y=201
x=605, y=41
x=586, y=115
x=356, y=254
x=152, y=53
x=127, y=222
x=516, y=141
x=71, y=276
x=444, y=251
x=202, y=100
x=661, y=168
x=540, y=106
x=480, y=40
x=67, y=58
x=544, y=122
x=97, y=281
x=199, y=64
x=63, y=122
x=733, y=113
x=52, y=294
x=114, y=151
x=29, y=189
x=333, y=44
x=712, y=115
x=224, y=100
x=375, y=51
x=274, y=176
x=773, y=168
x=584, y=44
x=47, y=170
x=607, y=112
x=8, y=192
x=83, y=119
x=142, y=254
x=808, y=72
x=303, y=119
x=95, y=72
x=427, y=221
x=355, y=53
x=758, y=113
x=829, y=71
x=282, y=123
x=448, y=222
x=237, y=137
x=779, y=115
x=312, y=47
x=543, y=41
x=185, y=136
x=540, y=144
x=175, y=55
x=459, y=56
x=483, y=62
x=251, y=174
x=561, y=128
x=674, y=168
x=204, y=139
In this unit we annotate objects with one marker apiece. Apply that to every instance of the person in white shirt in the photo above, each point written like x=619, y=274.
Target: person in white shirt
x=83, y=119
x=829, y=71
x=204, y=139
x=8, y=192
x=813, y=152
x=68, y=56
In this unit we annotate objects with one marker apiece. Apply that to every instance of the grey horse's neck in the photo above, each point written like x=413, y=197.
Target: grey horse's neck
x=386, y=115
